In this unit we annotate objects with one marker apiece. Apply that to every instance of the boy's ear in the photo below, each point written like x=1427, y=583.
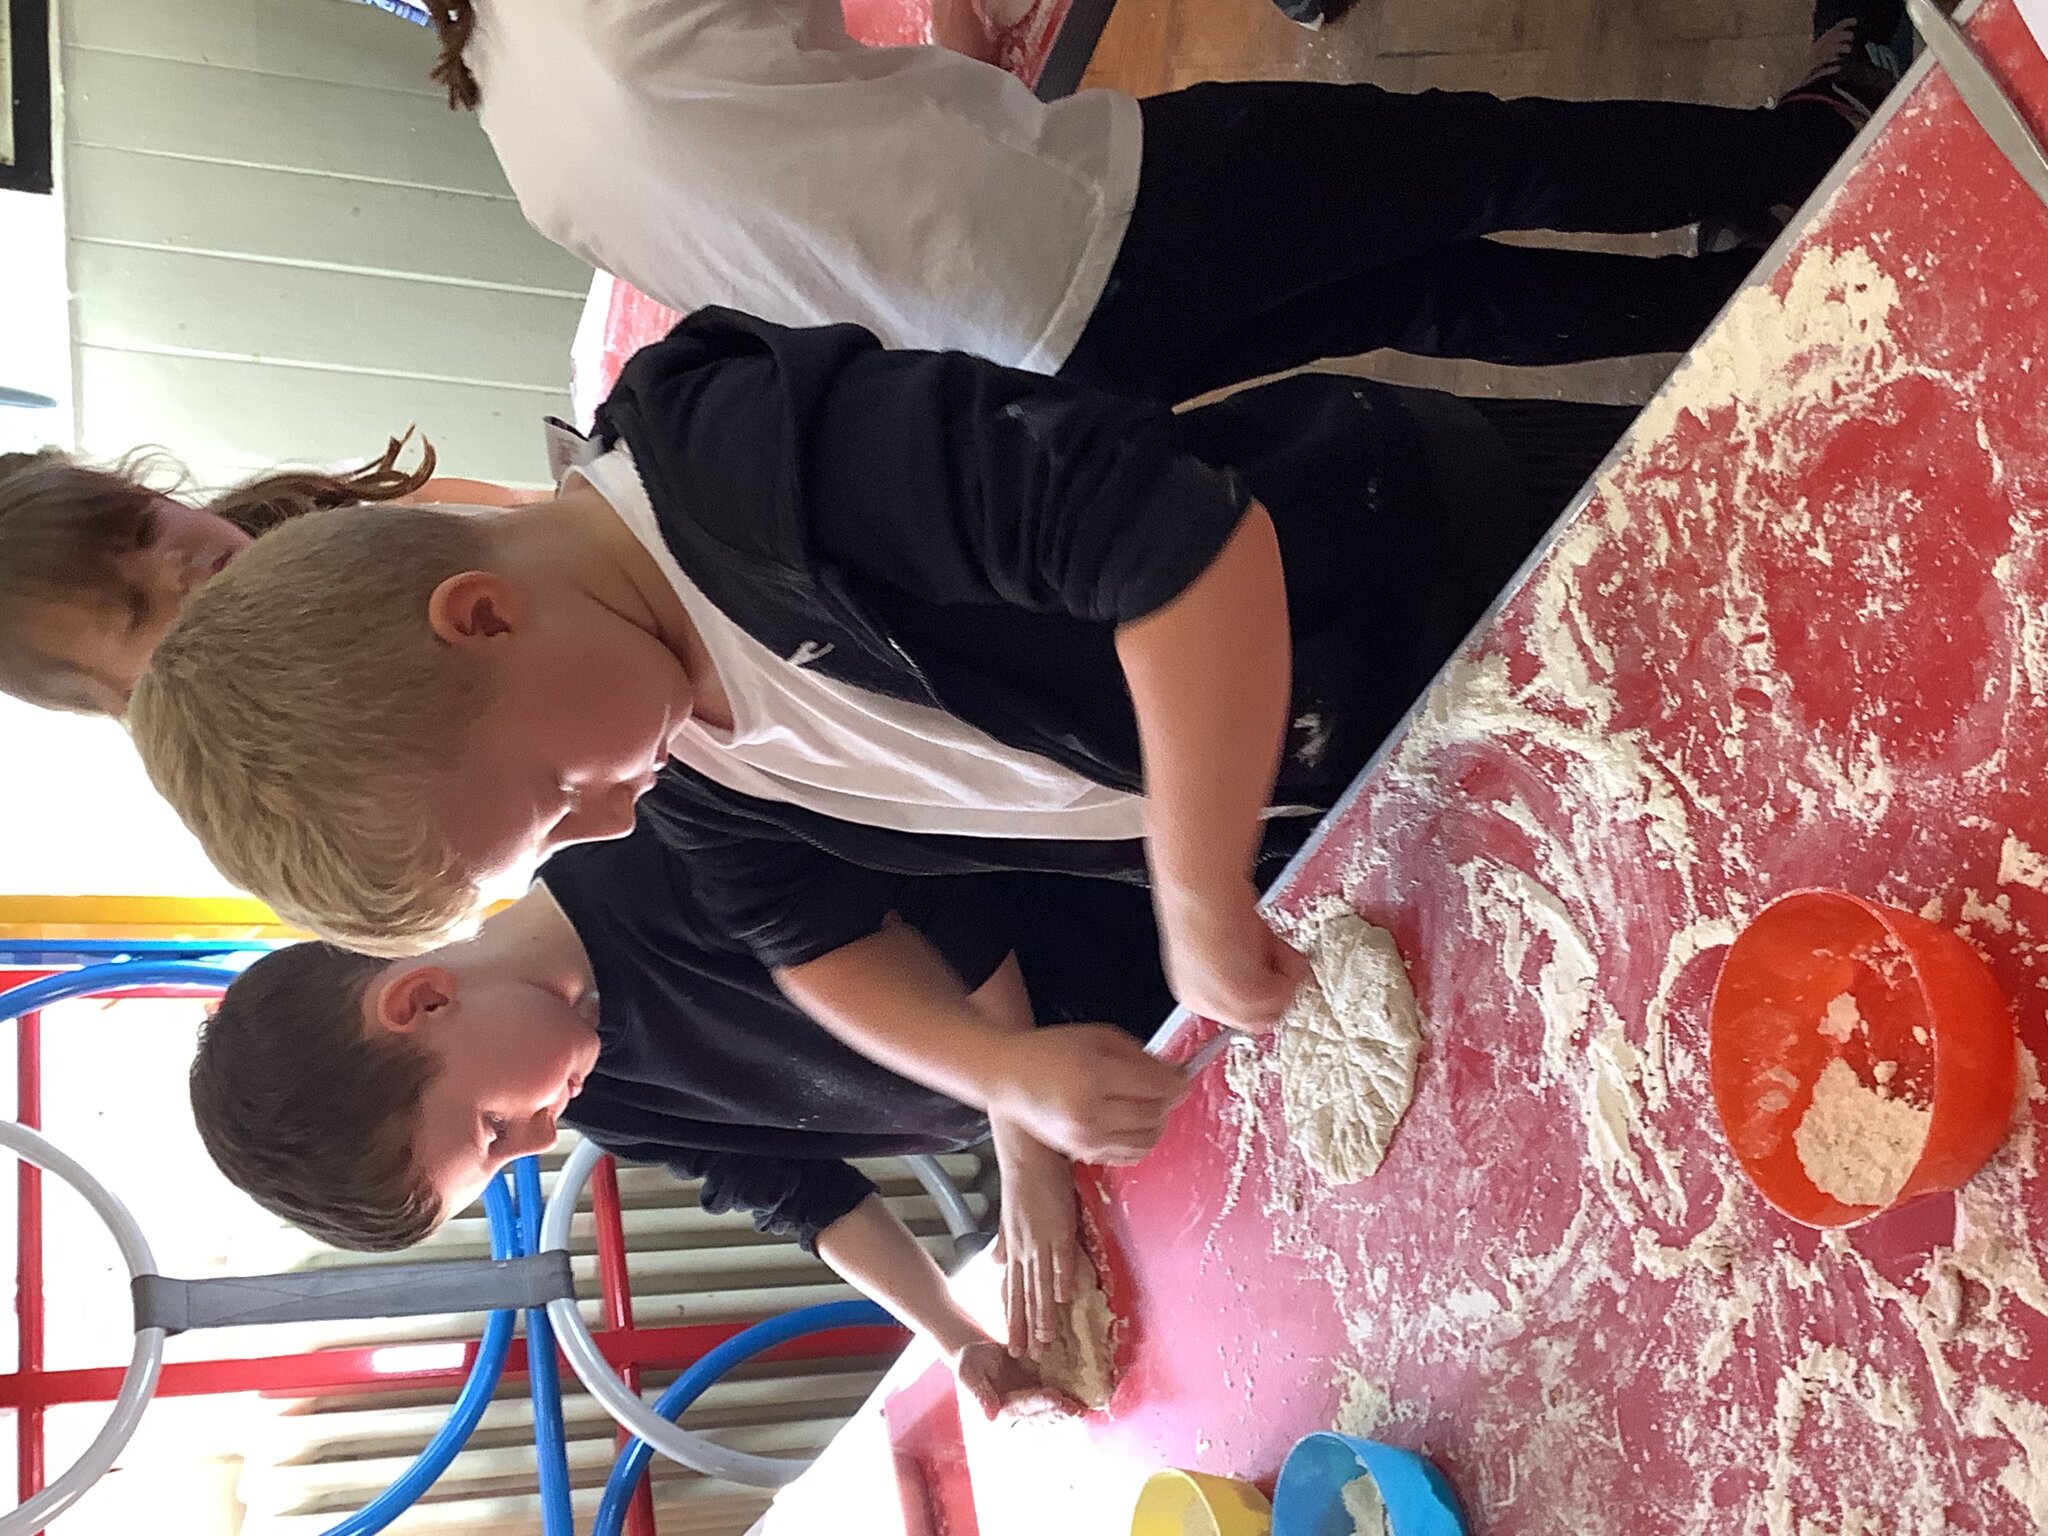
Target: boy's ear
x=474, y=608
x=406, y=998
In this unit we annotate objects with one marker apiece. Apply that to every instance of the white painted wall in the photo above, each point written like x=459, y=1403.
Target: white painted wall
x=35, y=333
x=282, y=247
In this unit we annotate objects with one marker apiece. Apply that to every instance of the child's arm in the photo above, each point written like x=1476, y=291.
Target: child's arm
x=1039, y=1244
x=1208, y=675
x=1010, y=488
x=960, y=26
x=877, y=1254
x=1087, y=1089
x=852, y=1229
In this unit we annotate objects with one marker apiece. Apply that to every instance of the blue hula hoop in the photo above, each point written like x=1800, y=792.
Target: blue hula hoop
x=470, y=1404
x=543, y=1372
x=631, y=1465
x=506, y=1243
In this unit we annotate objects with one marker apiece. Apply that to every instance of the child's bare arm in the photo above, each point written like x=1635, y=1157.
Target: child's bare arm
x=960, y=26
x=1040, y=1237
x=1086, y=1089
x=877, y=1254
x=1040, y=1241
x=1209, y=679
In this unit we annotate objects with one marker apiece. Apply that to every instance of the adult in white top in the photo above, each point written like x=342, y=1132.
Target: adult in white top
x=749, y=153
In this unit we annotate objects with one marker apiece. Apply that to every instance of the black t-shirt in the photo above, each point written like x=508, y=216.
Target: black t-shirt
x=706, y=1067
x=934, y=528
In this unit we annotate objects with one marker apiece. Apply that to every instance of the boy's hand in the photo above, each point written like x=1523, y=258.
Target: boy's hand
x=1087, y=1090
x=1003, y=1384
x=1038, y=1245
x=1224, y=963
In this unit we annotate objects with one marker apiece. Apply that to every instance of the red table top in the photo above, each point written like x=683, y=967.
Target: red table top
x=1798, y=636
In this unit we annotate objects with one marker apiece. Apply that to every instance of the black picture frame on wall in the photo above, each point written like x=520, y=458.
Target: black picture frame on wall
x=26, y=164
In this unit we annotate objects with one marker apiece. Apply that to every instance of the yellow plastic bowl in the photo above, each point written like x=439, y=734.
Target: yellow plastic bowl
x=1196, y=1504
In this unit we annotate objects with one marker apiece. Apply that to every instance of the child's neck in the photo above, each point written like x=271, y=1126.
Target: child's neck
x=580, y=538
x=532, y=941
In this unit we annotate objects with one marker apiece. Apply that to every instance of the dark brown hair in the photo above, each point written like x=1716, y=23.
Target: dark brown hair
x=455, y=20
x=64, y=525
x=305, y=1111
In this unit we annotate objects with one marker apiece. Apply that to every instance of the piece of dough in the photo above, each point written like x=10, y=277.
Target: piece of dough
x=1081, y=1362
x=1348, y=1047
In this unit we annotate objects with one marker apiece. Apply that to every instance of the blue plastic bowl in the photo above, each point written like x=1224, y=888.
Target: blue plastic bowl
x=1308, y=1500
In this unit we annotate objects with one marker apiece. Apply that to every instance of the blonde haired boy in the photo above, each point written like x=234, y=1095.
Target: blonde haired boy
x=866, y=614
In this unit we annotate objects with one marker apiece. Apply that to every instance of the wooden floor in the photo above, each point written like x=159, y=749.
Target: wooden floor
x=1734, y=52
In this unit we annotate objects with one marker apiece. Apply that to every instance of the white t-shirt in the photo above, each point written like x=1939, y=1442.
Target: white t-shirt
x=749, y=153
x=805, y=739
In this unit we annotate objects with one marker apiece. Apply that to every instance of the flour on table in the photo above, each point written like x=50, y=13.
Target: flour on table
x=2020, y=865
x=1366, y=1408
x=1368, y=1511
x=1854, y=1142
x=1081, y=1362
x=1348, y=1046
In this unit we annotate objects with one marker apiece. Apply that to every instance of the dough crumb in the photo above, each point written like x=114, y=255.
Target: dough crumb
x=1841, y=1018
x=1362, y=1502
x=1347, y=1047
x=1081, y=1362
x=1855, y=1143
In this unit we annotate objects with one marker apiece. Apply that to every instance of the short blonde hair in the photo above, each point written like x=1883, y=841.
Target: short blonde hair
x=300, y=711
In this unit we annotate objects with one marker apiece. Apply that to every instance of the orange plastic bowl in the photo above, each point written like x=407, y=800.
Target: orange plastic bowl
x=1924, y=1001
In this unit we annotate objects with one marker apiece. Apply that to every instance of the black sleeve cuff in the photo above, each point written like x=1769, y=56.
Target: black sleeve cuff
x=959, y=916
x=789, y=1198
x=1187, y=513
x=845, y=905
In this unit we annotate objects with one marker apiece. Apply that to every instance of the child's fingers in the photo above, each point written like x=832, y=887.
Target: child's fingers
x=1132, y=1119
x=1042, y=1402
x=1063, y=1273
x=986, y=1396
x=1128, y=1070
x=1016, y=1312
x=1142, y=1100
x=1044, y=1303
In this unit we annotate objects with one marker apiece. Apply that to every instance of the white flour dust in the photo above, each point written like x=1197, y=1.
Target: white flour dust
x=2020, y=865
x=1519, y=910
x=1855, y=1142
x=1767, y=356
x=1362, y=1502
x=1841, y=1017
x=1832, y=1379
x=1348, y=1046
x=1603, y=820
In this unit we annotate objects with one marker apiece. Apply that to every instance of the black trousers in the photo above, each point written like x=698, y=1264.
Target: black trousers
x=1089, y=949
x=1279, y=222
x=1555, y=445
